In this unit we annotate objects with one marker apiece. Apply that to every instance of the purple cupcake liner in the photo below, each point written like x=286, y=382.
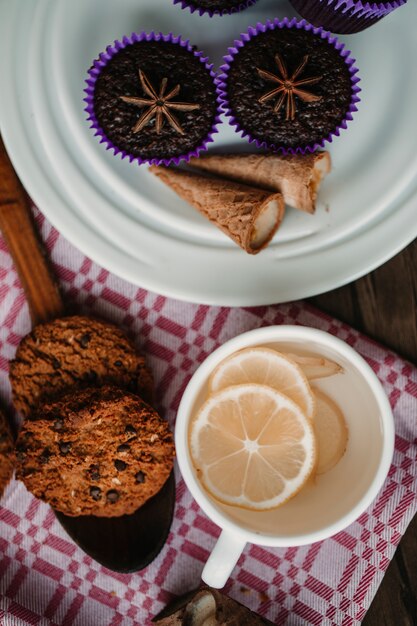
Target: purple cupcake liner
x=344, y=16
x=185, y=4
x=101, y=62
x=222, y=78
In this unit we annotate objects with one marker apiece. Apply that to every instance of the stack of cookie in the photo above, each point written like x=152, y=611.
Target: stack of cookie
x=91, y=443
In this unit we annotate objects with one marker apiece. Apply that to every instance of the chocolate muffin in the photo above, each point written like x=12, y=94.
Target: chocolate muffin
x=350, y=16
x=215, y=7
x=75, y=352
x=7, y=455
x=101, y=452
x=152, y=98
x=289, y=87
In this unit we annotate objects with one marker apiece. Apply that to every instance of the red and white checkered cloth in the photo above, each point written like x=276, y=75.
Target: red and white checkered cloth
x=46, y=579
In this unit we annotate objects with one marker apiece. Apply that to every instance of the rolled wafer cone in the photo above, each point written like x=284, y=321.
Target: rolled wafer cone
x=297, y=177
x=205, y=607
x=248, y=215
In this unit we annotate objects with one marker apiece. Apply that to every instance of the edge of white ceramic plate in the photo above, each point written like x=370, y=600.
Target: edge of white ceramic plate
x=100, y=250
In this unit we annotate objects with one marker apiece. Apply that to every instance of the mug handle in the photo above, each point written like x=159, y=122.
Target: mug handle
x=223, y=559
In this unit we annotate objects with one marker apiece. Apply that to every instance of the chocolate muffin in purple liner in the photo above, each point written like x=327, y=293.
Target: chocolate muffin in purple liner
x=215, y=7
x=288, y=86
x=344, y=16
x=152, y=98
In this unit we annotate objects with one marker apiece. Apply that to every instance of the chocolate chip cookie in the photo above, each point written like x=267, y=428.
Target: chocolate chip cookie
x=75, y=352
x=7, y=457
x=101, y=452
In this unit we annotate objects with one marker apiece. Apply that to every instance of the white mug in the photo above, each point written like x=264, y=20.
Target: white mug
x=334, y=500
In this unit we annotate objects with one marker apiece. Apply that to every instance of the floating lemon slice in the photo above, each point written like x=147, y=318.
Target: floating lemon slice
x=265, y=367
x=331, y=432
x=316, y=366
x=252, y=447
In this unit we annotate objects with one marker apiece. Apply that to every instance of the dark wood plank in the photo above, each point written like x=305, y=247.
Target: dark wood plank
x=383, y=305
x=16, y=223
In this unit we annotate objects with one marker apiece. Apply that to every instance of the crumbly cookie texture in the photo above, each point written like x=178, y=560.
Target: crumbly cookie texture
x=101, y=452
x=208, y=607
x=7, y=455
x=75, y=352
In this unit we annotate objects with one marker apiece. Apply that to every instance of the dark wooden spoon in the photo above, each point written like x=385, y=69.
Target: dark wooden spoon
x=122, y=544
x=128, y=543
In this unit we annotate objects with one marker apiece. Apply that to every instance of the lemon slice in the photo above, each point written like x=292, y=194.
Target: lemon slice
x=265, y=367
x=252, y=447
x=316, y=366
x=331, y=433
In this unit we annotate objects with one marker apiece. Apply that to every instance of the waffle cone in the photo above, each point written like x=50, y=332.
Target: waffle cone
x=296, y=177
x=231, y=206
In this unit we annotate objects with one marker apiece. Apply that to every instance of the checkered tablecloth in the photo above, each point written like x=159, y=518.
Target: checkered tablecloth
x=46, y=579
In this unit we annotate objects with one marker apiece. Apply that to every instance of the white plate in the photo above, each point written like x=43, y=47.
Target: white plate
x=126, y=220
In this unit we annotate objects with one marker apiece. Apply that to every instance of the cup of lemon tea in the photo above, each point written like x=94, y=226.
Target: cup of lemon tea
x=284, y=436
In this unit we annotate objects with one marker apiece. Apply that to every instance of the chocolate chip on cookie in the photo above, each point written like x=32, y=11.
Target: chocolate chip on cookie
x=112, y=496
x=91, y=470
x=73, y=352
x=95, y=493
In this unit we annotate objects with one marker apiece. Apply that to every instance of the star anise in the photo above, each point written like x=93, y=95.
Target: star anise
x=159, y=105
x=289, y=87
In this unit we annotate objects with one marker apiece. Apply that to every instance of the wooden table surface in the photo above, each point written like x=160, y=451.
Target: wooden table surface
x=383, y=305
